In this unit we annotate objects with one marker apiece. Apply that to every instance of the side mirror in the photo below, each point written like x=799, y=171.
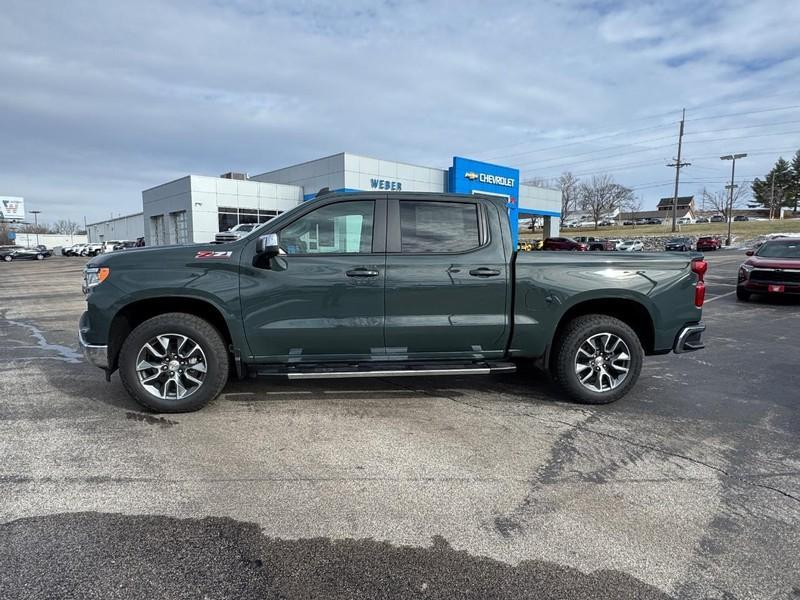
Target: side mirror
x=750, y=253
x=267, y=245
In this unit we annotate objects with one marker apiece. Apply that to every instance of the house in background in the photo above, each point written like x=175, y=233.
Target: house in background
x=685, y=207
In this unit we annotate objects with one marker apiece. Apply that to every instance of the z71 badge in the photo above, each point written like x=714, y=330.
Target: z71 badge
x=213, y=254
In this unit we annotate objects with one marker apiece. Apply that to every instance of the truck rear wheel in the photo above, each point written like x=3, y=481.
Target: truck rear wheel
x=597, y=359
x=175, y=362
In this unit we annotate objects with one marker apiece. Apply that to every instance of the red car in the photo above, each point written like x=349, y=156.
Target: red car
x=772, y=269
x=708, y=243
x=562, y=243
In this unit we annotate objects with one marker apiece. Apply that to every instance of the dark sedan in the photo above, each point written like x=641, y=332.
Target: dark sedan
x=678, y=245
x=20, y=253
x=772, y=269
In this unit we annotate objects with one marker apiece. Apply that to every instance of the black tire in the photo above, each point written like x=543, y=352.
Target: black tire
x=199, y=330
x=40, y=257
x=742, y=294
x=573, y=336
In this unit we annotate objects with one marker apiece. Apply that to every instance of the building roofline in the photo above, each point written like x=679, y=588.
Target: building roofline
x=168, y=182
x=116, y=218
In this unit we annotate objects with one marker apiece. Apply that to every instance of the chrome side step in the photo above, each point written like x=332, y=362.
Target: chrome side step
x=356, y=371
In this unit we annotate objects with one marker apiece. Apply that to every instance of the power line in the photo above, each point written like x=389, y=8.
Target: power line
x=582, y=141
x=749, y=112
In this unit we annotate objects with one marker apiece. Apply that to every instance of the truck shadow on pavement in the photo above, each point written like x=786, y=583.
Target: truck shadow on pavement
x=105, y=555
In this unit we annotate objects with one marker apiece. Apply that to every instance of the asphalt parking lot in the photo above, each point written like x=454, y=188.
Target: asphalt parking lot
x=397, y=488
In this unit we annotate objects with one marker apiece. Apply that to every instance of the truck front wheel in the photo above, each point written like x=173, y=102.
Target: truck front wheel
x=175, y=362
x=597, y=359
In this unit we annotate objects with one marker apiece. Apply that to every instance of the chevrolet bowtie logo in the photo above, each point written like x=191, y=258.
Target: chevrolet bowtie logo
x=472, y=175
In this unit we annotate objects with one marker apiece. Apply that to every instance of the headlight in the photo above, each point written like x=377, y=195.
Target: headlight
x=744, y=271
x=94, y=276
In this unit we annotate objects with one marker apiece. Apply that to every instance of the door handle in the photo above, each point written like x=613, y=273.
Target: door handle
x=484, y=272
x=362, y=272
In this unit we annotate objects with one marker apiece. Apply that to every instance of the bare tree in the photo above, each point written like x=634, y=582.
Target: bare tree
x=720, y=200
x=602, y=195
x=569, y=185
x=31, y=228
x=65, y=227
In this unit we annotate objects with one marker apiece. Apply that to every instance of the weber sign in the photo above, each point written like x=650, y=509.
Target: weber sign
x=12, y=208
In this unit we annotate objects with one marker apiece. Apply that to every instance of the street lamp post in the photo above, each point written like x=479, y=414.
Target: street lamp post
x=731, y=157
x=35, y=214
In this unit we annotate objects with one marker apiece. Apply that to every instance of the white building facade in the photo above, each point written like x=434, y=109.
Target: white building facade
x=194, y=208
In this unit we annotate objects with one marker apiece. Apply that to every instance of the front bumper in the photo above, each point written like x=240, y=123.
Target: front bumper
x=95, y=353
x=690, y=338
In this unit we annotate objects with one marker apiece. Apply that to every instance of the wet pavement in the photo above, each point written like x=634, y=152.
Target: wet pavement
x=485, y=487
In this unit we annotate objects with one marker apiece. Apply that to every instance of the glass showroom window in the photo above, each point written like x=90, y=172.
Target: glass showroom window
x=228, y=217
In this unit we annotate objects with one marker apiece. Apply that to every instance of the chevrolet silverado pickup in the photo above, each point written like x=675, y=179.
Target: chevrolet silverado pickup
x=383, y=285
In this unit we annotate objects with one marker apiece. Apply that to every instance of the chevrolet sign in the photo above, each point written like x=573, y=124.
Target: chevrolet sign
x=492, y=179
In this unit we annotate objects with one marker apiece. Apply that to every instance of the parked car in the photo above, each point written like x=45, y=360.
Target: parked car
x=741, y=218
x=174, y=336
x=235, y=233
x=74, y=250
x=708, y=242
x=717, y=219
x=607, y=223
x=564, y=243
x=91, y=249
x=124, y=246
x=701, y=220
x=22, y=253
x=772, y=269
x=654, y=221
x=7, y=253
x=678, y=245
x=685, y=221
x=629, y=222
x=595, y=243
x=631, y=246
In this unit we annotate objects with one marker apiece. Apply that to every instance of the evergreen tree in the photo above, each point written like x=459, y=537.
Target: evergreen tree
x=781, y=194
x=795, y=196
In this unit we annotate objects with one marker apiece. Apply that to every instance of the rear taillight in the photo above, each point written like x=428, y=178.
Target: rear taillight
x=700, y=267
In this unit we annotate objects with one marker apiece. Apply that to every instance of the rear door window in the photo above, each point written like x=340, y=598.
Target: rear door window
x=437, y=227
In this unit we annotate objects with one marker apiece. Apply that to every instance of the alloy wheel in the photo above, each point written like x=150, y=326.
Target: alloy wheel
x=171, y=366
x=602, y=362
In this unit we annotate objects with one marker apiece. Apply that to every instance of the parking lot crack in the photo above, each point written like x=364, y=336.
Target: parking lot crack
x=677, y=455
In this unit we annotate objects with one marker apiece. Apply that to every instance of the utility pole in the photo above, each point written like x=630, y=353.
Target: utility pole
x=35, y=214
x=772, y=198
x=731, y=157
x=678, y=165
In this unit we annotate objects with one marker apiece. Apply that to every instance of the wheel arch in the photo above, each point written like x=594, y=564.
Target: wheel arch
x=133, y=314
x=632, y=313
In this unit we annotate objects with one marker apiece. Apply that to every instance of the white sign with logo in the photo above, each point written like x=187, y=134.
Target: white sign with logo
x=487, y=178
x=12, y=208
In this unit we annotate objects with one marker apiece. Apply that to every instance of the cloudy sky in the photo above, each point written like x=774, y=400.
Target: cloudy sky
x=103, y=99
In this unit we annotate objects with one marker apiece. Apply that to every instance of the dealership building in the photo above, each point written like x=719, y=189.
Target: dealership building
x=194, y=208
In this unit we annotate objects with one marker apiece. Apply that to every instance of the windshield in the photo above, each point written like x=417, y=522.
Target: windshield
x=782, y=249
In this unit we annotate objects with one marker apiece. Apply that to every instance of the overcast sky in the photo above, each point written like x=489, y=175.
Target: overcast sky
x=103, y=99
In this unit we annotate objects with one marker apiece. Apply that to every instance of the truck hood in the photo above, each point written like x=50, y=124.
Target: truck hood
x=155, y=257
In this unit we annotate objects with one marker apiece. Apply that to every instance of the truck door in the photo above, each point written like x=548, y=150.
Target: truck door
x=323, y=298
x=447, y=279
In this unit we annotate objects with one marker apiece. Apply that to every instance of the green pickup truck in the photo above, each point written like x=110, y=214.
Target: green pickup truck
x=383, y=285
